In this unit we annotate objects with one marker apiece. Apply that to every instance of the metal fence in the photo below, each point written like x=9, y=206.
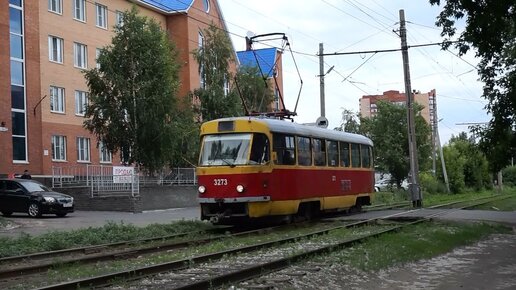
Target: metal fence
x=117, y=180
x=175, y=176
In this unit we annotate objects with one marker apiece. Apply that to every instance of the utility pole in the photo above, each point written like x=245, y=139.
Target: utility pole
x=437, y=142
x=321, y=78
x=414, y=188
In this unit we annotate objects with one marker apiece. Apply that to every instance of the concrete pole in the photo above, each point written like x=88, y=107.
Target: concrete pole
x=415, y=191
x=321, y=78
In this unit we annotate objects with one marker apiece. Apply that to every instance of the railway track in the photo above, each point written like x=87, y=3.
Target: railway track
x=39, y=262
x=35, y=267
x=215, y=275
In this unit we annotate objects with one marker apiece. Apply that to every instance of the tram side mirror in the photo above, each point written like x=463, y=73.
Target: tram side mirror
x=275, y=157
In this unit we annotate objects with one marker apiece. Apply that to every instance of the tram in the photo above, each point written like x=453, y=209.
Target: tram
x=252, y=168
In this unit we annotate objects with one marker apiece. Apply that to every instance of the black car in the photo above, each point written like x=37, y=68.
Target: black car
x=32, y=197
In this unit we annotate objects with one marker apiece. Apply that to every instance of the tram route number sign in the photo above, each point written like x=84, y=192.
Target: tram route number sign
x=123, y=174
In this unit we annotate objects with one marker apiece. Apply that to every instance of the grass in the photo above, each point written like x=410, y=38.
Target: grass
x=430, y=199
x=414, y=243
x=501, y=205
x=109, y=233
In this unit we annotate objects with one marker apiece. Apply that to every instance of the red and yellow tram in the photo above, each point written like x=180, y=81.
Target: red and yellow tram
x=251, y=168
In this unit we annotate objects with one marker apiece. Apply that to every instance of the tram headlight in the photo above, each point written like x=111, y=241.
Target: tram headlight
x=201, y=189
x=240, y=188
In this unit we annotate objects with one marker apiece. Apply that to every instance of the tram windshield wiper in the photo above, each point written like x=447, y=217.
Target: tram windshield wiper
x=231, y=164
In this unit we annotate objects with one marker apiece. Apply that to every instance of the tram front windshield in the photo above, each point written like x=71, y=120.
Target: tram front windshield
x=234, y=149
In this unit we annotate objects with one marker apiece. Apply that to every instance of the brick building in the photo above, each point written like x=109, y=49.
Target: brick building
x=427, y=100
x=46, y=45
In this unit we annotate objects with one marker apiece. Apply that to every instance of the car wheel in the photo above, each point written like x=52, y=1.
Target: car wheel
x=7, y=213
x=34, y=210
x=61, y=214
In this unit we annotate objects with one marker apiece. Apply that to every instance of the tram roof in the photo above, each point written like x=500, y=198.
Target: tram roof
x=282, y=126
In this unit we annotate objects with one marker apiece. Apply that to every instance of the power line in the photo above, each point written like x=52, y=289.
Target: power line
x=388, y=50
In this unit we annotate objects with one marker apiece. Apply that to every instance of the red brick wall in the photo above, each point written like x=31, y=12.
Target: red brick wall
x=5, y=91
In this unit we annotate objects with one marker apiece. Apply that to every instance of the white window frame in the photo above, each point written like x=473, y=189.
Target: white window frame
x=58, y=148
x=105, y=155
x=120, y=18
x=97, y=53
x=55, y=49
x=57, y=100
x=101, y=15
x=79, y=10
x=202, y=81
x=83, y=149
x=80, y=55
x=81, y=102
x=226, y=87
x=55, y=6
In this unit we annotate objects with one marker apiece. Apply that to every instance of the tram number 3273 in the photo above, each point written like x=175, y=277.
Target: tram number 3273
x=220, y=181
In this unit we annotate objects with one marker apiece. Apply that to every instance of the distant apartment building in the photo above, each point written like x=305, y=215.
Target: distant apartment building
x=269, y=61
x=44, y=49
x=368, y=103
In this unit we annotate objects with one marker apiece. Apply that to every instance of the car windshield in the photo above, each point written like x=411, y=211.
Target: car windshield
x=225, y=149
x=34, y=186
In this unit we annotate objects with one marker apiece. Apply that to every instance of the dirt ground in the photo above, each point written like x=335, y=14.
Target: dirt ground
x=489, y=264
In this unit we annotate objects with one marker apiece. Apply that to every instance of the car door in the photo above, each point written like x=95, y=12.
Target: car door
x=3, y=199
x=16, y=196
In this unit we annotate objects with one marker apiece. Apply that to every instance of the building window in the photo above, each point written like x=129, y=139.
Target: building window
x=55, y=6
x=80, y=55
x=79, y=10
x=18, y=110
x=83, y=149
x=81, y=102
x=206, y=5
x=119, y=18
x=226, y=87
x=202, y=81
x=97, y=53
x=58, y=148
x=101, y=15
x=104, y=153
x=55, y=49
x=57, y=99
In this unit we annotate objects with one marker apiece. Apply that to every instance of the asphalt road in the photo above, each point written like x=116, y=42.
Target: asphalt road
x=21, y=223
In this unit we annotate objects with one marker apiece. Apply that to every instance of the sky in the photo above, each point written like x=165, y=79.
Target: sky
x=354, y=26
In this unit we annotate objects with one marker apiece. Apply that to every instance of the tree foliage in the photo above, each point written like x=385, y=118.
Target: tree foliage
x=389, y=132
x=132, y=106
x=256, y=93
x=491, y=31
x=466, y=165
x=350, y=122
x=214, y=59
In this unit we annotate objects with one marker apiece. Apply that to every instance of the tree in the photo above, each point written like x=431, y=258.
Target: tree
x=389, y=133
x=214, y=59
x=350, y=122
x=491, y=31
x=132, y=105
x=468, y=166
x=256, y=93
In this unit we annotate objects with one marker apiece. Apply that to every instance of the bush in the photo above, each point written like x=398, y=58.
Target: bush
x=430, y=184
x=509, y=176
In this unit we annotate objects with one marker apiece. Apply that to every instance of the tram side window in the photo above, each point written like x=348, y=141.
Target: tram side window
x=319, y=152
x=344, y=154
x=365, y=153
x=259, y=149
x=304, y=151
x=355, y=155
x=285, y=149
x=333, y=153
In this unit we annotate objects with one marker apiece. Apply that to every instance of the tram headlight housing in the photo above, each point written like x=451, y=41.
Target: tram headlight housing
x=201, y=189
x=240, y=188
